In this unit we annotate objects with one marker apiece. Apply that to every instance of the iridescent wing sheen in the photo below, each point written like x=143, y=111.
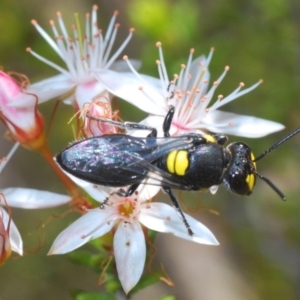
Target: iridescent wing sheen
x=120, y=160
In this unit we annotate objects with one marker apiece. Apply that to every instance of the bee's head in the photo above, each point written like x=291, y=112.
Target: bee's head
x=240, y=175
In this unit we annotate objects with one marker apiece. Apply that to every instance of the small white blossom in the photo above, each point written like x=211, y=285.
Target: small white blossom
x=126, y=215
x=82, y=53
x=188, y=92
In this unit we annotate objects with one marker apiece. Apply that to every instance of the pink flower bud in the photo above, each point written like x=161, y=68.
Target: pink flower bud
x=98, y=108
x=24, y=123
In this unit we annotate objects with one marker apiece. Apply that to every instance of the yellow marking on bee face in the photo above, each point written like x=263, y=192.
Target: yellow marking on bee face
x=250, y=179
x=178, y=162
x=210, y=138
x=252, y=158
x=171, y=161
x=182, y=162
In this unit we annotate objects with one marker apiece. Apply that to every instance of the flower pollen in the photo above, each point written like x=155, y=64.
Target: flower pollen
x=127, y=208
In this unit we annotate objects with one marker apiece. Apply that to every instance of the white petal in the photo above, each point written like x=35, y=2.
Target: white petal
x=87, y=92
x=97, y=192
x=122, y=66
x=44, y=90
x=33, y=199
x=144, y=94
x=52, y=87
x=14, y=234
x=164, y=218
x=233, y=124
x=130, y=253
x=147, y=192
x=60, y=81
x=151, y=121
x=95, y=223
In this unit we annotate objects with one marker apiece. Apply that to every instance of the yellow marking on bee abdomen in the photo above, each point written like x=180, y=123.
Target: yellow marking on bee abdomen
x=171, y=161
x=178, y=162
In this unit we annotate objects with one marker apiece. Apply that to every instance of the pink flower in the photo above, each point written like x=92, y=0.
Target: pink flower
x=24, y=123
x=99, y=108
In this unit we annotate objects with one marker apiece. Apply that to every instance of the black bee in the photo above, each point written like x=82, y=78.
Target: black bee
x=189, y=162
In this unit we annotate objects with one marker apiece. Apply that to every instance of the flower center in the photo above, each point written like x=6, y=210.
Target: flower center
x=127, y=208
x=180, y=126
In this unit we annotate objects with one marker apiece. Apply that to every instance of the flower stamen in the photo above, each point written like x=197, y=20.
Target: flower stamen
x=126, y=208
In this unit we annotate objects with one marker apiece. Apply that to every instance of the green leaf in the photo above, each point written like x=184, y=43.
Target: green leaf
x=94, y=296
x=86, y=258
x=78, y=294
x=146, y=280
x=112, y=283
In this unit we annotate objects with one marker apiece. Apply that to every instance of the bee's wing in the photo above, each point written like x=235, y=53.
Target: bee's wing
x=154, y=175
x=120, y=160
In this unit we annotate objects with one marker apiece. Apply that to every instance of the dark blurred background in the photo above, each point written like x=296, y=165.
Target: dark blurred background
x=259, y=252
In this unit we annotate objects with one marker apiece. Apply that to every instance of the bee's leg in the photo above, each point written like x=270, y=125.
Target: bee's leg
x=122, y=193
x=129, y=191
x=126, y=125
x=136, y=126
x=102, y=204
x=177, y=207
x=132, y=189
x=168, y=121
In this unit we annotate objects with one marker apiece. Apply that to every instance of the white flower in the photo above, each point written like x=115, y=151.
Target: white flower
x=127, y=215
x=188, y=92
x=22, y=198
x=81, y=54
x=34, y=199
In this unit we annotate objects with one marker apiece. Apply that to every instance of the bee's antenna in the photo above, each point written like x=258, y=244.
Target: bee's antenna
x=277, y=144
x=271, y=185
